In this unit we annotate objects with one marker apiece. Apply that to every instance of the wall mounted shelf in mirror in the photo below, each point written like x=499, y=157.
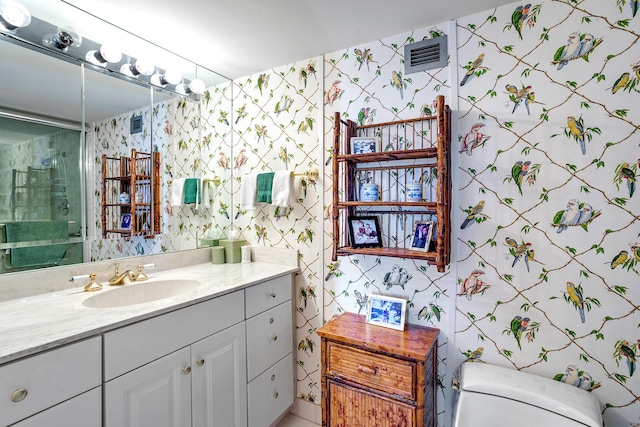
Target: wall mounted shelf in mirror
x=72, y=87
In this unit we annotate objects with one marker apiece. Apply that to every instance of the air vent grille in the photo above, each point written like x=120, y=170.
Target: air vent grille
x=136, y=125
x=425, y=55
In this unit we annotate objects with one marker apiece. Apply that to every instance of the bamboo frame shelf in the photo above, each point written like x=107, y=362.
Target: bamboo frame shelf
x=138, y=176
x=414, y=150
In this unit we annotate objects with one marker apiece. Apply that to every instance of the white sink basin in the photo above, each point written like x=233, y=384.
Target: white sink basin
x=140, y=293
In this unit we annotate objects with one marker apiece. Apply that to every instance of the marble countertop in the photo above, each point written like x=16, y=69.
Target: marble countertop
x=40, y=322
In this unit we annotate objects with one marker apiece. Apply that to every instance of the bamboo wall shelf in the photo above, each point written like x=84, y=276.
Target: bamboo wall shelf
x=409, y=151
x=139, y=177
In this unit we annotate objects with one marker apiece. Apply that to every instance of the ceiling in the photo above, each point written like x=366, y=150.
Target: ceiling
x=241, y=37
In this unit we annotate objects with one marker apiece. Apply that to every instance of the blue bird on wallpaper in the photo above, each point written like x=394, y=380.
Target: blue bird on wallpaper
x=570, y=51
x=576, y=297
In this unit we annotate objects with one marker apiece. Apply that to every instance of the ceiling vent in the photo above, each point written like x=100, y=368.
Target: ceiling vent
x=425, y=55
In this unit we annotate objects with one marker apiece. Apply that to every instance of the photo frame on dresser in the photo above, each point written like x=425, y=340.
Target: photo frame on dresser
x=387, y=311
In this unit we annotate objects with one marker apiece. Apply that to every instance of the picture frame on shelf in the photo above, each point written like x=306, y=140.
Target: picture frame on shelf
x=387, y=311
x=364, y=145
x=125, y=221
x=422, y=233
x=364, y=232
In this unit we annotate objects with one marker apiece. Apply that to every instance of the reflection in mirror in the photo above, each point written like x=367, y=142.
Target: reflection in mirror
x=191, y=135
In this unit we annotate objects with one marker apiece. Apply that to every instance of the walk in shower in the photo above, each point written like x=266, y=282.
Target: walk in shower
x=40, y=194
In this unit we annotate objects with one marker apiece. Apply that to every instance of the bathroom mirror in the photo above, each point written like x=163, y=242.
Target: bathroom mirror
x=58, y=117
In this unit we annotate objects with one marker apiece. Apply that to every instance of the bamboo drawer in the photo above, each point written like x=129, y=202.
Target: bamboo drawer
x=387, y=374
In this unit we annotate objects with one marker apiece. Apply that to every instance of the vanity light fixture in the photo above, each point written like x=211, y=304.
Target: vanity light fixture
x=106, y=53
x=141, y=67
x=195, y=86
x=63, y=39
x=170, y=77
x=13, y=15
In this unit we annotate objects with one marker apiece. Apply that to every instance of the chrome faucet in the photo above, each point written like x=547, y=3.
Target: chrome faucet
x=118, y=279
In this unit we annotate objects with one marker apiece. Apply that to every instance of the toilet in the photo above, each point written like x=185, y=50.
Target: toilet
x=490, y=395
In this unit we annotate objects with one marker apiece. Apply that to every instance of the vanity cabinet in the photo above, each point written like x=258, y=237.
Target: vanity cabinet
x=374, y=376
x=60, y=387
x=146, y=386
x=209, y=364
x=270, y=364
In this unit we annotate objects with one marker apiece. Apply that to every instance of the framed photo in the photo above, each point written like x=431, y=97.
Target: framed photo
x=363, y=145
x=387, y=311
x=364, y=232
x=422, y=233
x=125, y=221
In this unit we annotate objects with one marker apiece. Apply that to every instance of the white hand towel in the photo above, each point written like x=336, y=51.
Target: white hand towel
x=175, y=191
x=281, y=191
x=208, y=192
x=248, y=192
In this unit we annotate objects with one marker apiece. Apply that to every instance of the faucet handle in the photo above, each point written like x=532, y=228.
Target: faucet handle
x=92, y=285
x=141, y=276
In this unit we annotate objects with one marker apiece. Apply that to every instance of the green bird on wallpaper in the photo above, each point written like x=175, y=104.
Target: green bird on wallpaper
x=519, y=15
x=520, y=170
x=518, y=326
x=626, y=173
x=626, y=351
x=473, y=68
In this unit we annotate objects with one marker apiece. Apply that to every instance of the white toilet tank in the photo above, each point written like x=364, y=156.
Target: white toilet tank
x=493, y=396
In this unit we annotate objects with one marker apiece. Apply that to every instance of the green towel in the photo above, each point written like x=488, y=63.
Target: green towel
x=32, y=256
x=265, y=186
x=191, y=191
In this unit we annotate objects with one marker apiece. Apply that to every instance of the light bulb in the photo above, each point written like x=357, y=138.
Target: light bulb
x=106, y=53
x=13, y=15
x=63, y=39
x=141, y=67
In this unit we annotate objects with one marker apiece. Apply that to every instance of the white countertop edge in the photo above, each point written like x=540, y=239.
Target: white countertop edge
x=43, y=322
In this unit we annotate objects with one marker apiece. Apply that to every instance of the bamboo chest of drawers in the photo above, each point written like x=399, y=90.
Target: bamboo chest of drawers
x=375, y=376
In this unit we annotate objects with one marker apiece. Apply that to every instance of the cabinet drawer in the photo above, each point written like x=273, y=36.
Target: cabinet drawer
x=49, y=378
x=132, y=346
x=266, y=295
x=271, y=394
x=269, y=338
x=384, y=373
x=84, y=410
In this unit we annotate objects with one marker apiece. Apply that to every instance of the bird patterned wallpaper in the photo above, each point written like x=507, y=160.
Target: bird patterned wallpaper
x=277, y=117
x=190, y=137
x=546, y=243
x=545, y=139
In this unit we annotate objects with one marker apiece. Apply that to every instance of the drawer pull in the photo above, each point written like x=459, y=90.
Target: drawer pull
x=274, y=337
x=19, y=395
x=186, y=370
x=200, y=362
x=271, y=320
x=368, y=370
x=272, y=294
x=273, y=377
x=274, y=394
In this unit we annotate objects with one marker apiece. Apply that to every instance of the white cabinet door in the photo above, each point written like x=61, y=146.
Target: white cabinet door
x=157, y=394
x=219, y=382
x=84, y=410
